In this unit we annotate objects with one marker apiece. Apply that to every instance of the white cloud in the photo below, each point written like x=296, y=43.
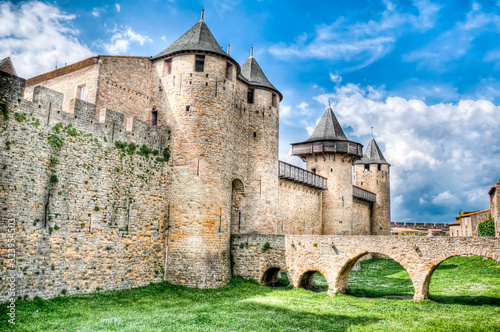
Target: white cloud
x=36, y=35
x=446, y=152
x=335, y=78
x=121, y=40
x=358, y=43
x=97, y=11
x=446, y=199
x=118, y=7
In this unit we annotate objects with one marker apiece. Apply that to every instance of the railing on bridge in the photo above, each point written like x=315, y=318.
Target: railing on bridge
x=364, y=194
x=300, y=175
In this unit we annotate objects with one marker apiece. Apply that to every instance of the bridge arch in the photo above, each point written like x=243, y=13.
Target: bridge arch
x=342, y=278
x=271, y=275
x=424, y=290
x=306, y=279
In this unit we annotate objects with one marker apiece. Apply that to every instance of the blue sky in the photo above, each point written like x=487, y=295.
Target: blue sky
x=423, y=73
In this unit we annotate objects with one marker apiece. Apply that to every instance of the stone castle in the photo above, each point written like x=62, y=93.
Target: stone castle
x=119, y=171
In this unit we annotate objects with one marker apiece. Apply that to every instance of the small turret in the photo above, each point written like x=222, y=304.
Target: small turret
x=372, y=173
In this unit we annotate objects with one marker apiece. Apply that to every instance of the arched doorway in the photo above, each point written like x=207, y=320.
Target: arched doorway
x=236, y=206
x=313, y=281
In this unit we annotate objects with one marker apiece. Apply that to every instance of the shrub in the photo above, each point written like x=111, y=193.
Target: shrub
x=19, y=117
x=131, y=148
x=487, y=227
x=71, y=131
x=57, y=128
x=50, y=230
x=53, y=161
x=120, y=145
x=242, y=245
x=96, y=208
x=266, y=247
x=55, y=141
x=145, y=151
x=56, y=227
x=156, y=152
x=53, y=179
x=36, y=124
x=7, y=145
x=166, y=154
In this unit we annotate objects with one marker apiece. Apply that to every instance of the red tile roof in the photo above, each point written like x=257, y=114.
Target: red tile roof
x=455, y=223
x=492, y=190
x=470, y=214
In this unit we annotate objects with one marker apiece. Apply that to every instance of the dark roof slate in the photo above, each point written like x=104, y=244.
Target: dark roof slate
x=252, y=72
x=198, y=38
x=372, y=155
x=328, y=128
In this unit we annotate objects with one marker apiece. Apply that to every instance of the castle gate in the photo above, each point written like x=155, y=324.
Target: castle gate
x=335, y=255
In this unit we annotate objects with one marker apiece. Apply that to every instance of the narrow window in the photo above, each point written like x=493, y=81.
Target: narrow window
x=379, y=167
x=229, y=71
x=314, y=170
x=367, y=167
x=187, y=108
x=274, y=100
x=168, y=66
x=154, y=118
x=80, y=92
x=199, y=63
x=250, y=96
x=254, y=134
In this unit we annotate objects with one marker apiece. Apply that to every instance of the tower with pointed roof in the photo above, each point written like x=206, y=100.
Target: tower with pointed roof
x=372, y=173
x=224, y=179
x=330, y=154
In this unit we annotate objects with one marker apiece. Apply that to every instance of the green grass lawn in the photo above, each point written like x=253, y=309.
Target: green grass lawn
x=246, y=306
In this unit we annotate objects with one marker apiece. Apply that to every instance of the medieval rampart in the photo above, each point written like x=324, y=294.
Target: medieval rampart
x=88, y=215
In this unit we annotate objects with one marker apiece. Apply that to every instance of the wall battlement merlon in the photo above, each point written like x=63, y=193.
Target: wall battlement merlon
x=47, y=106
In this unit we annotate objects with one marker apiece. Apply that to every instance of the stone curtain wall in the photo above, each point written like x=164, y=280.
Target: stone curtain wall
x=124, y=86
x=249, y=257
x=88, y=215
x=335, y=255
x=299, y=209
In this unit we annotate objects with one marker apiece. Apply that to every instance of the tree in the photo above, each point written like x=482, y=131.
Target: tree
x=487, y=227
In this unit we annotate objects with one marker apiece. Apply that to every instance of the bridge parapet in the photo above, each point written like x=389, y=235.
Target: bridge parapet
x=300, y=175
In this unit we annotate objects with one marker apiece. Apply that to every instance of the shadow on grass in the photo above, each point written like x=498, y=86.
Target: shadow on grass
x=466, y=300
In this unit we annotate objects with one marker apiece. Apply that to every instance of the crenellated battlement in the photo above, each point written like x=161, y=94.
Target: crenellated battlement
x=46, y=105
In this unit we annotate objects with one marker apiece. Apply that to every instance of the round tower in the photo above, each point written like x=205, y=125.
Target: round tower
x=330, y=154
x=261, y=101
x=196, y=81
x=202, y=95
x=372, y=173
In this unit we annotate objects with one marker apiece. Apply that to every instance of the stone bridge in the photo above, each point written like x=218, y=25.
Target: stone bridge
x=260, y=256
x=335, y=255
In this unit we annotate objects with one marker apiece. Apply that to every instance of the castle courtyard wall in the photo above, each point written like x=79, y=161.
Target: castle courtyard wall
x=87, y=215
x=299, y=209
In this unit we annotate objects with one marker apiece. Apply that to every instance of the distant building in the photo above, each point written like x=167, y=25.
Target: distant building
x=7, y=66
x=495, y=207
x=468, y=223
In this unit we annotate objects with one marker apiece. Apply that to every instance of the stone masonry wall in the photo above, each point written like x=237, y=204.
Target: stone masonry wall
x=468, y=225
x=88, y=216
x=250, y=258
x=299, y=209
x=495, y=209
x=124, y=86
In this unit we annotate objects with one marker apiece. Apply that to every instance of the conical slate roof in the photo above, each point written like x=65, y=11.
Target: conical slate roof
x=252, y=72
x=328, y=128
x=198, y=38
x=372, y=155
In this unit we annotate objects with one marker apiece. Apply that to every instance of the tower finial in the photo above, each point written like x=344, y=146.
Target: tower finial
x=329, y=103
x=202, y=14
x=372, y=131
x=251, y=51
